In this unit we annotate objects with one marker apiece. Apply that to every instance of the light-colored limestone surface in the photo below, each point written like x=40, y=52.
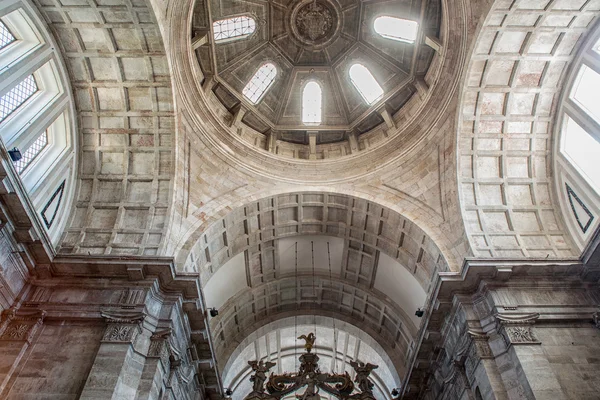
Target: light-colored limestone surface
x=182, y=206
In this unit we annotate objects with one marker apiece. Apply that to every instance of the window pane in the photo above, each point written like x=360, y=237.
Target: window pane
x=6, y=37
x=260, y=82
x=583, y=150
x=311, y=104
x=17, y=96
x=365, y=83
x=32, y=152
x=233, y=27
x=585, y=93
x=396, y=29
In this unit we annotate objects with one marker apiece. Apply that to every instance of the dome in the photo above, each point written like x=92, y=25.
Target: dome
x=313, y=41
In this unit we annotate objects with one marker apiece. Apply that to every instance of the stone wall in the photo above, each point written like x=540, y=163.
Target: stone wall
x=515, y=332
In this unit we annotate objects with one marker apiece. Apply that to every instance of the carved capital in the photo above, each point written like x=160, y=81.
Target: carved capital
x=21, y=325
x=123, y=327
x=518, y=329
x=159, y=345
x=120, y=333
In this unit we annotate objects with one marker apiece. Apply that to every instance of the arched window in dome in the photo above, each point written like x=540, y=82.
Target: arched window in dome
x=400, y=29
x=36, y=113
x=311, y=103
x=6, y=37
x=236, y=27
x=32, y=152
x=17, y=96
x=365, y=83
x=260, y=83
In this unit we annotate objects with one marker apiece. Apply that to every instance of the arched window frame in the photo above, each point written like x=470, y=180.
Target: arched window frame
x=390, y=36
x=572, y=183
x=319, y=117
x=254, y=81
x=230, y=38
x=370, y=99
x=50, y=110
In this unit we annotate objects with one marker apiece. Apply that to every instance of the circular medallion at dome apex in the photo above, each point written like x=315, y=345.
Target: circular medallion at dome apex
x=313, y=40
x=314, y=23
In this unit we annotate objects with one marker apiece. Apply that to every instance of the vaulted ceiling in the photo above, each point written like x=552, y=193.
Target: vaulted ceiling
x=170, y=166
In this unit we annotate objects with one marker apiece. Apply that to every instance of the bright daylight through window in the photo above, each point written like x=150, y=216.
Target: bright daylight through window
x=585, y=91
x=237, y=27
x=365, y=83
x=17, y=96
x=32, y=152
x=396, y=28
x=260, y=82
x=311, y=103
x=6, y=37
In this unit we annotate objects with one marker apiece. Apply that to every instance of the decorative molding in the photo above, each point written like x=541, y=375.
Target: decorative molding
x=120, y=333
x=20, y=325
x=49, y=220
x=123, y=327
x=159, y=345
x=518, y=329
x=572, y=195
x=123, y=317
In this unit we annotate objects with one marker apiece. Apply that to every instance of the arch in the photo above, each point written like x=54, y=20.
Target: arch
x=505, y=129
x=312, y=98
x=260, y=82
x=365, y=83
x=577, y=146
x=402, y=30
x=37, y=114
x=275, y=341
x=233, y=28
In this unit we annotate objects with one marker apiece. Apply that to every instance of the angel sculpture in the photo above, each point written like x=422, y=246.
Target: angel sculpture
x=260, y=374
x=362, y=375
x=310, y=341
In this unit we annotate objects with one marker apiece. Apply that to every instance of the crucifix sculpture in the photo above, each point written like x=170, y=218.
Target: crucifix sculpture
x=310, y=376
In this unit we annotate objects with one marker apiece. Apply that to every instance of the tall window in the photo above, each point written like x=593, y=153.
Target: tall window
x=17, y=96
x=311, y=103
x=260, y=82
x=32, y=152
x=237, y=27
x=365, y=83
x=585, y=91
x=6, y=37
x=394, y=28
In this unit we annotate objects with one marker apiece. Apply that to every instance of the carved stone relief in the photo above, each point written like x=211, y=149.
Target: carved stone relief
x=123, y=327
x=20, y=325
x=518, y=329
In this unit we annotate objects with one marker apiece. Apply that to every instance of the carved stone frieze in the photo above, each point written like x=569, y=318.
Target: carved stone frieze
x=159, y=346
x=19, y=324
x=518, y=329
x=123, y=327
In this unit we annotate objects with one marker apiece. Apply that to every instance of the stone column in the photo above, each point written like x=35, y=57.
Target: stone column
x=156, y=367
x=118, y=366
x=520, y=346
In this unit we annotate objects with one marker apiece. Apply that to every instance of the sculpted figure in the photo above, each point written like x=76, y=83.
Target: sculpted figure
x=260, y=374
x=362, y=375
x=310, y=341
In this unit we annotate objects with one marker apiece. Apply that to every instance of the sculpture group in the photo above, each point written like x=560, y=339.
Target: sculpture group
x=309, y=375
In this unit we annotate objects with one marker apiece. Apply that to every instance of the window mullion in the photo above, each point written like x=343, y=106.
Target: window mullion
x=23, y=67
x=8, y=6
x=582, y=118
x=41, y=122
